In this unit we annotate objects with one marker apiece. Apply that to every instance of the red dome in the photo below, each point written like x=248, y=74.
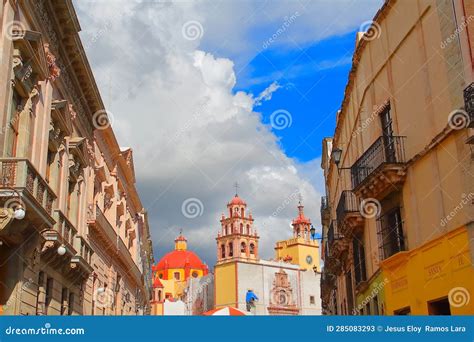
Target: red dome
x=180, y=259
x=237, y=201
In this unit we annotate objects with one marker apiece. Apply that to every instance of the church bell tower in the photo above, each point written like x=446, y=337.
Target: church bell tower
x=237, y=239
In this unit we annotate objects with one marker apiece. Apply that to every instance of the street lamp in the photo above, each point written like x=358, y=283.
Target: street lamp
x=61, y=250
x=336, y=155
x=19, y=213
x=312, y=231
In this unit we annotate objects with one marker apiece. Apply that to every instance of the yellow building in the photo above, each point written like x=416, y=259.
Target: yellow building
x=398, y=216
x=286, y=286
x=301, y=249
x=172, y=272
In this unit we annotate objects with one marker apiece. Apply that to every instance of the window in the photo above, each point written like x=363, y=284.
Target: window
x=243, y=248
x=376, y=305
x=160, y=275
x=70, y=309
x=312, y=301
x=390, y=233
x=402, y=312
x=350, y=298
x=49, y=293
x=40, y=294
x=231, y=249
x=248, y=230
x=252, y=249
x=49, y=163
x=159, y=295
x=439, y=307
x=195, y=274
x=242, y=212
x=223, y=251
x=387, y=131
x=177, y=275
x=358, y=250
x=12, y=125
x=241, y=228
x=367, y=309
x=64, y=295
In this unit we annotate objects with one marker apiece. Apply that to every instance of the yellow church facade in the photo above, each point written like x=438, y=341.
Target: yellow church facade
x=288, y=285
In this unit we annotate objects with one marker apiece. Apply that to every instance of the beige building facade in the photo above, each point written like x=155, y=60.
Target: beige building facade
x=74, y=237
x=398, y=216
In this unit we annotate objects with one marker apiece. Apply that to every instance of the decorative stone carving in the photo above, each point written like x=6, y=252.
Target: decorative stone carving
x=281, y=296
x=6, y=216
x=72, y=112
x=54, y=70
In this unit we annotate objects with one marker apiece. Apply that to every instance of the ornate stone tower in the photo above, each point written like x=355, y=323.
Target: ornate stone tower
x=301, y=224
x=300, y=249
x=237, y=239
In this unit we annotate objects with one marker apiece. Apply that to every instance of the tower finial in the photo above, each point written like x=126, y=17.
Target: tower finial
x=236, y=186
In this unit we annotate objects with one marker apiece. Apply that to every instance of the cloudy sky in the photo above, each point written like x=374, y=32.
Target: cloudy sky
x=209, y=93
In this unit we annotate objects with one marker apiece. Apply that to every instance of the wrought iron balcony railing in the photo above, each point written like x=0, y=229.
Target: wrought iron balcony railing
x=333, y=234
x=385, y=150
x=390, y=233
x=65, y=230
x=20, y=174
x=469, y=103
x=348, y=203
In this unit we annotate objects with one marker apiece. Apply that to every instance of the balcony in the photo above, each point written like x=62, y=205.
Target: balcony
x=62, y=234
x=381, y=169
x=338, y=245
x=81, y=262
x=37, y=197
x=104, y=232
x=325, y=211
x=469, y=104
x=390, y=233
x=348, y=213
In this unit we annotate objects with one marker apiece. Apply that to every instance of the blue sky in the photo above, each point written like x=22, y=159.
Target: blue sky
x=312, y=87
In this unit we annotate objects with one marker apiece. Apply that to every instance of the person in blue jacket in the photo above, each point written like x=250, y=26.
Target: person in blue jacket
x=250, y=298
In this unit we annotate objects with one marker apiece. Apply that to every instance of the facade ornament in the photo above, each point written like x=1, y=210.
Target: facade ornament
x=28, y=107
x=72, y=111
x=54, y=70
x=90, y=150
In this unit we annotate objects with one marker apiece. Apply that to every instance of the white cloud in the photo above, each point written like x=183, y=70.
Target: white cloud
x=267, y=93
x=192, y=136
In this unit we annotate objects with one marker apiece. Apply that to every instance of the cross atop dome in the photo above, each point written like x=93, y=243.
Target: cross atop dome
x=236, y=186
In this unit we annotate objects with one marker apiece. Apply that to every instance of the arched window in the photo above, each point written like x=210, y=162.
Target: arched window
x=231, y=249
x=222, y=251
x=243, y=248
x=252, y=248
x=242, y=212
x=248, y=230
x=159, y=295
x=242, y=229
